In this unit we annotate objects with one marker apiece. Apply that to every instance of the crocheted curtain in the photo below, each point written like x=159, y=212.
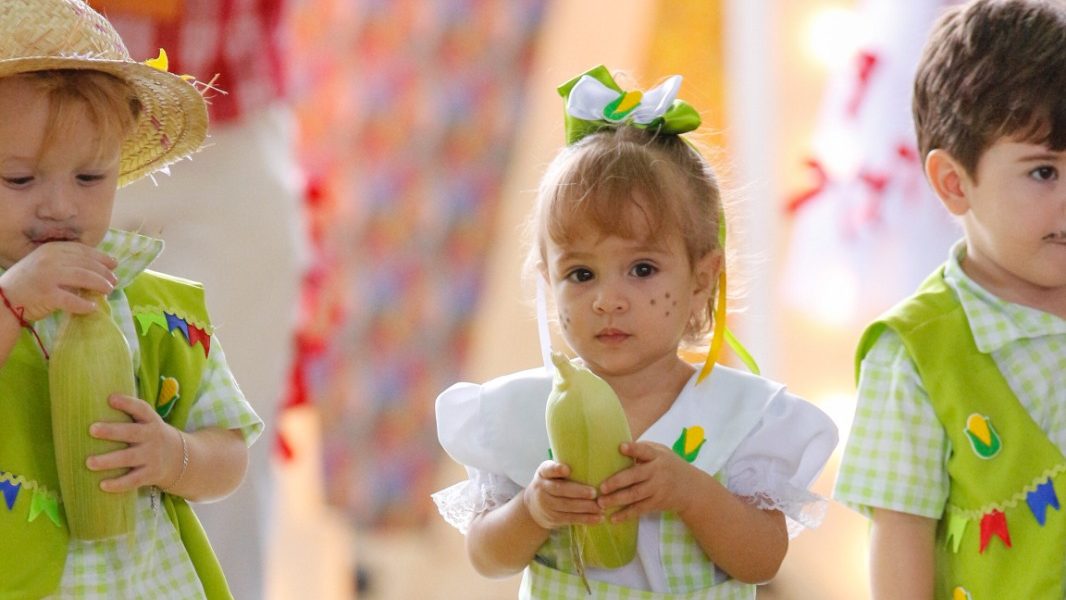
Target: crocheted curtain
x=407, y=109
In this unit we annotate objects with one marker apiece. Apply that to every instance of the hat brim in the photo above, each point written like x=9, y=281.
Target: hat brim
x=173, y=119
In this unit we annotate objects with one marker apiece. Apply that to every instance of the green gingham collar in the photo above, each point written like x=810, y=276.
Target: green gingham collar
x=994, y=321
x=133, y=251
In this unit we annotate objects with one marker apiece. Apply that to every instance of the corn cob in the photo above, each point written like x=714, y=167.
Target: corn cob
x=586, y=424
x=90, y=360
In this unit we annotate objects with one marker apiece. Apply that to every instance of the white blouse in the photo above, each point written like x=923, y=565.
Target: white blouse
x=768, y=445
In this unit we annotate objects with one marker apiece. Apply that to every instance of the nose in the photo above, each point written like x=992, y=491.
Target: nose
x=609, y=300
x=54, y=205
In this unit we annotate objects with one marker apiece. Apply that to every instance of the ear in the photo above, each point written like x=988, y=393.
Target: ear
x=949, y=180
x=542, y=269
x=705, y=274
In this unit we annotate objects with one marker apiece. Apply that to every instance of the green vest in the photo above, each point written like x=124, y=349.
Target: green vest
x=32, y=526
x=1003, y=533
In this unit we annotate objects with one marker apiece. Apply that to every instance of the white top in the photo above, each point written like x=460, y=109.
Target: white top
x=767, y=444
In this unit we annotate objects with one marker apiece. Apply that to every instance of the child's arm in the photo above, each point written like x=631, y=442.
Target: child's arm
x=46, y=280
x=503, y=541
x=217, y=458
x=747, y=543
x=901, y=556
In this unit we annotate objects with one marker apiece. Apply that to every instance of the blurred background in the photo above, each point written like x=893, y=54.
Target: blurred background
x=412, y=135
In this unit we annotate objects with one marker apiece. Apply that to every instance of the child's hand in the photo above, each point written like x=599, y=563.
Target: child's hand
x=553, y=500
x=49, y=277
x=150, y=456
x=657, y=482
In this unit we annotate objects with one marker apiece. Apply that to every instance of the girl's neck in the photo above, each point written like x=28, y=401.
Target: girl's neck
x=645, y=399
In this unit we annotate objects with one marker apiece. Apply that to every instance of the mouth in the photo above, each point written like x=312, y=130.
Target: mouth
x=46, y=236
x=612, y=336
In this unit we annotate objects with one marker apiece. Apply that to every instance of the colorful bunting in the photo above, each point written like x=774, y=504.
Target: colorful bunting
x=199, y=335
x=176, y=322
x=956, y=528
x=147, y=319
x=171, y=322
x=994, y=523
x=10, y=490
x=1040, y=498
x=46, y=503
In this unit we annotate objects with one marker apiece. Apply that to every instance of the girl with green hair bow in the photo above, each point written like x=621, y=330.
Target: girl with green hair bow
x=627, y=236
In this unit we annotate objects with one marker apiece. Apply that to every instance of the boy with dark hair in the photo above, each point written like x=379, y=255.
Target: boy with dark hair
x=957, y=448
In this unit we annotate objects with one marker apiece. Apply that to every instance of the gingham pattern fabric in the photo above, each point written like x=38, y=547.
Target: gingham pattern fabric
x=685, y=564
x=542, y=583
x=151, y=563
x=897, y=451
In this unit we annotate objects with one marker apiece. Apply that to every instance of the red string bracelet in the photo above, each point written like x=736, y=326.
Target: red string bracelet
x=20, y=314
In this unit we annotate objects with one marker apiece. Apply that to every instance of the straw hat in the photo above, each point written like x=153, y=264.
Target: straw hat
x=37, y=35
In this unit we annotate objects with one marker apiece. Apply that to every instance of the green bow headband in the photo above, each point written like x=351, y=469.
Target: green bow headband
x=594, y=101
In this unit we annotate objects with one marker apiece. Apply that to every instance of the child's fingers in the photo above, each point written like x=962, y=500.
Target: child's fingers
x=624, y=479
x=550, y=469
x=577, y=508
x=131, y=480
x=562, y=488
x=74, y=304
x=129, y=433
x=141, y=411
x=639, y=451
x=123, y=458
x=632, y=511
x=625, y=496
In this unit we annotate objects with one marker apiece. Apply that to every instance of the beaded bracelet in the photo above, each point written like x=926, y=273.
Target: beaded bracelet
x=20, y=315
x=184, y=463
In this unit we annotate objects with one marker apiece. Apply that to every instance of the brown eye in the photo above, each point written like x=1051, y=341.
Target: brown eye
x=1044, y=173
x=643, y=270
x=17, y=181
x=579, y=275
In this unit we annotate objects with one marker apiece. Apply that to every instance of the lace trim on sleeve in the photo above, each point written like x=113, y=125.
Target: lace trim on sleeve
x=803, y=509
x=460, y=503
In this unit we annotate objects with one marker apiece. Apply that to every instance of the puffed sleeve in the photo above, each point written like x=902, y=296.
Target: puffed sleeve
x=776, y=464
x=497, y=432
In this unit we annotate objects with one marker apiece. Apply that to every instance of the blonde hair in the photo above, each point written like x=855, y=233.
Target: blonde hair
x=108, y=101
x=630, y=182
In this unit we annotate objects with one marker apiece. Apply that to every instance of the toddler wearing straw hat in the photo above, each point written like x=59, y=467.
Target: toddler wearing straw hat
x=78, y=119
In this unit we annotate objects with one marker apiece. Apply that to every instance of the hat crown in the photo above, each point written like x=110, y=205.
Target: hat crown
x=56, y=29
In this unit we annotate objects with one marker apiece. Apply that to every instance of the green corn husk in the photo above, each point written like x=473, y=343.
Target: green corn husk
x=90, y=361
x=586, y=424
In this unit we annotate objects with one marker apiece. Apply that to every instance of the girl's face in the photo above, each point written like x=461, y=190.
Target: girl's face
x=624, y=305
x=66, y=192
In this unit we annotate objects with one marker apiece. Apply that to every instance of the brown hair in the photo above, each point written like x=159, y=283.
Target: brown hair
x=992, y=68
x=109, y=102
x=629, y=182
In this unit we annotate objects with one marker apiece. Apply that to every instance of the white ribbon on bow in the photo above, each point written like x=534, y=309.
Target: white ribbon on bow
x=589, y=97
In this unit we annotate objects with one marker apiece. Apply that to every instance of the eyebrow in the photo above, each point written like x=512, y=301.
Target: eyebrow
x=1043, y=156
x=578, y=256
